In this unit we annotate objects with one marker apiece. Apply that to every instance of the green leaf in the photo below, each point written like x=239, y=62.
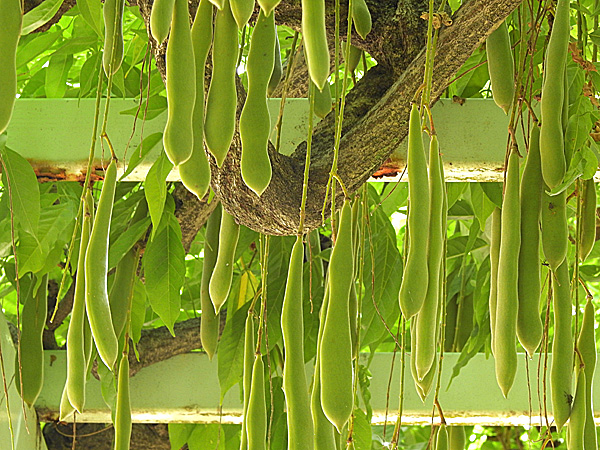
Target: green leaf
x=57, y=74
x=126, y=241
x=40, y=15
x=54, y=226
x=88, y=75
x=386, y=273
x=157, y=105
x=155, y=188
x=456, y=246
x=482, y=205
x=164, y=268
x=247, y=237
x=23, y=188
x=179, y=433
x=280, y=249
x=138, y=310
x=493, y=191
x=362, y=431
x=454, y=191
x=231, y=350
x=91, y=11
x=394, y=198
x=578, y=127
x=206, y=437
x=31, y=47
x=141, y=151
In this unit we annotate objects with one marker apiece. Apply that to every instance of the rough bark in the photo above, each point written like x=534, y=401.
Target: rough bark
x=159, y=345
x=374, y=128
x=97, y=436
x=372, y=131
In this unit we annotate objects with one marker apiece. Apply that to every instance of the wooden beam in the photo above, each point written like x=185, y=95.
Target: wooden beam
x=186, y=389
x=55, y=135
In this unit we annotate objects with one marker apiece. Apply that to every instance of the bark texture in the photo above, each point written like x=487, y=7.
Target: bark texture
x=97, y=436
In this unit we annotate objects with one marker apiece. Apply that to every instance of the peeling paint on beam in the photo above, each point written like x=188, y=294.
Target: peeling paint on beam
x=185, y=388
x=54, y=135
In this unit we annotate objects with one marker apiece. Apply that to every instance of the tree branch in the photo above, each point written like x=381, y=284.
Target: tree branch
x=368, y=139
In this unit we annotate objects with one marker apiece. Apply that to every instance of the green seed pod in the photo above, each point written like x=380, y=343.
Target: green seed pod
x=423, y=387
x=10, y=30
x=33, y=320
x=220, y=4
x=315, y=41
x=426, y=320
x=323, y=101
x=178, y=137
x=441, y=442
x=324, y=434
x=415, y=277
x=209, y=323
x=221, y=101
x=220, y=280
x=576, y=425
x=353, y=58
x=76, y=360
x=508, y=291
x=494, y=256
x=555, y=233
x=242, y=11
x=256, y=426
x=457, y=439
x=195, y=172
x=336, y=345
x=121, y=291
x=249, y=346
x=587, y=349
x=561, y=370
x=361, y=17
x=529, y=322
x=112, y=57
x=277, y=73
x=66, y=409
x=267, y=6
x=501, y=67
x=588, y=219
x=160, y=19
x=96, y=268
x=123, y=408
x=295, y=387
x=552, y=150
x=255, y=120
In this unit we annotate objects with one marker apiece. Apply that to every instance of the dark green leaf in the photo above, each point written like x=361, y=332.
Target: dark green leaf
x=141, y=151
x=24, y=189
x=155, y=188
x=156, y=106
x=231, y=350
x=91, y=11
x=164, y=268
x=179, y=434
x=40, y=15
x=126, y=241
x=57, y=74
x=482, y=205
x=382, y=263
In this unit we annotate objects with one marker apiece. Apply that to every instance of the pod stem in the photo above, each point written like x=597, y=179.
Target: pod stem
x=264, y=257
x=333, y=175
x=398, y=425
x=311, y=96
x=86, y=183
x=296, y=43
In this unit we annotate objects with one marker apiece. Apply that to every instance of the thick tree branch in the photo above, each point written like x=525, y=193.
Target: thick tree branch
x=369, y=138
x=98, y=436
